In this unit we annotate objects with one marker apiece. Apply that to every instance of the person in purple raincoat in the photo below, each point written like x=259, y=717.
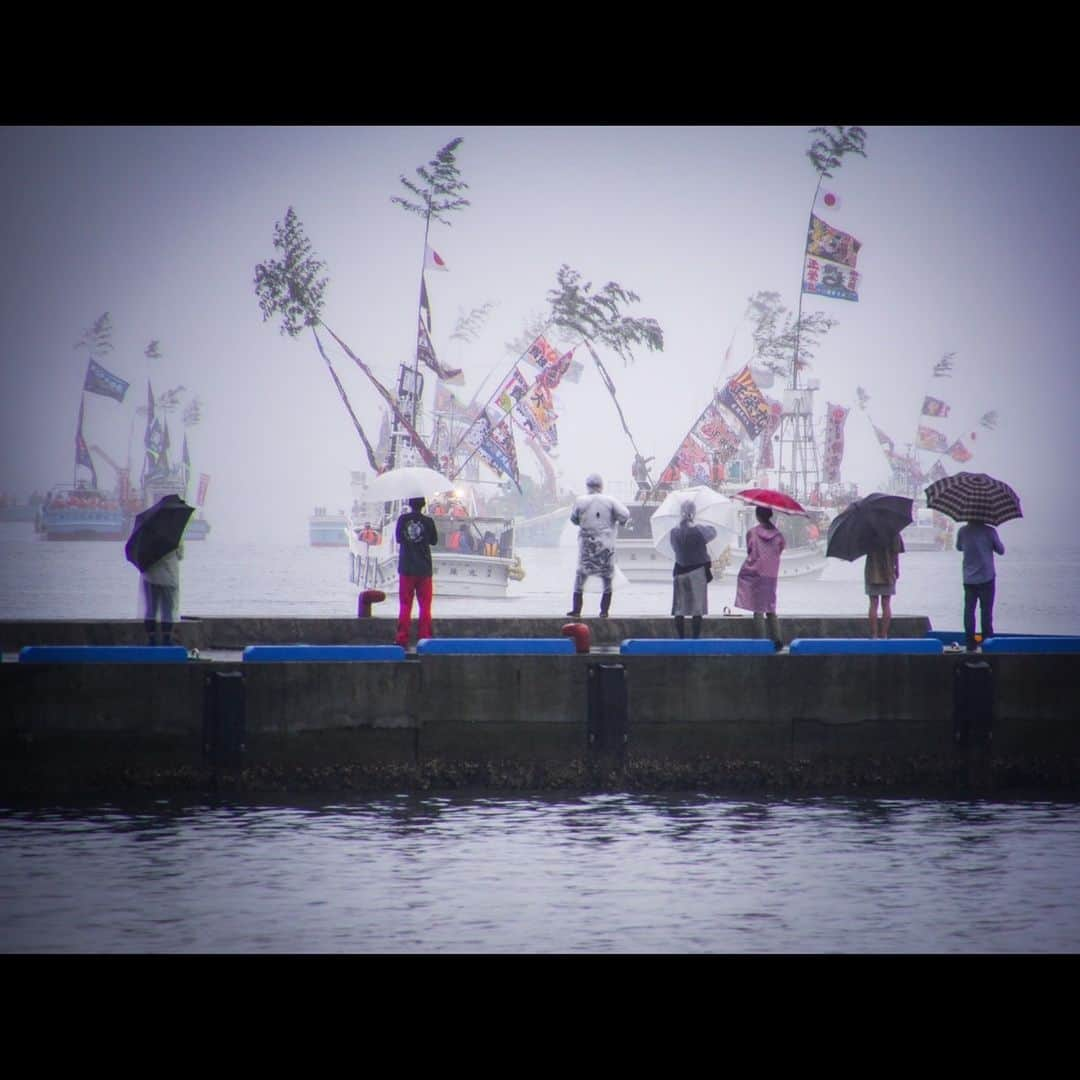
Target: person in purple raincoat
x=756, y=588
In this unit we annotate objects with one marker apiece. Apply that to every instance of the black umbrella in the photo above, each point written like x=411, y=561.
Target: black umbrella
x=157, y=531
x=967, y=496
x=868, y=523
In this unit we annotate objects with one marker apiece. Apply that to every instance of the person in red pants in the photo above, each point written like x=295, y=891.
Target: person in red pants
x=415, y=534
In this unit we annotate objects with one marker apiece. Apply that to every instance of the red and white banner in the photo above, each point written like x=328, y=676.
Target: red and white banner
x=204, y=483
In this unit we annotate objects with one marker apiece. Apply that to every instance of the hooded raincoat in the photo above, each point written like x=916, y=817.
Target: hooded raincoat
x=756, y=589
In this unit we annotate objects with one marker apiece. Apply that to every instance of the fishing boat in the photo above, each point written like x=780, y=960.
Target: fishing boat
x=326, y=529
x=475, y=556
x=718, y=453
x=81, y=509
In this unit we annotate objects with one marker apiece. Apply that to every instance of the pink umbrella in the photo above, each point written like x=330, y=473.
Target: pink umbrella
x=773, y=500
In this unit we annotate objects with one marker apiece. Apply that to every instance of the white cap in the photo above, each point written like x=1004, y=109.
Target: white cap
x=594, y=480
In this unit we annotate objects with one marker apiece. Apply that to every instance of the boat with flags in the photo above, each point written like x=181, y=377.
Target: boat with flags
x=86, y=508
x=922, y=461
x=81, y=509
x=467, y=443
x=743, y=437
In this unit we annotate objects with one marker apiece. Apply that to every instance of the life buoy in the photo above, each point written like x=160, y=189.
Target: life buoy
x=516, y=571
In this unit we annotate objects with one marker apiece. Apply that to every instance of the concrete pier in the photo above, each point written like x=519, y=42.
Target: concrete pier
x=891, y=724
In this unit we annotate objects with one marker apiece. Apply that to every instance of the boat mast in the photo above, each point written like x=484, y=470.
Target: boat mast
x=802, y=475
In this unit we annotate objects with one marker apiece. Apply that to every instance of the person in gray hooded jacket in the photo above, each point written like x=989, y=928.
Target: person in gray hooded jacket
x=598, y=517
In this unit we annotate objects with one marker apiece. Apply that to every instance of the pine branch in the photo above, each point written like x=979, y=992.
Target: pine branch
x=827, y=152
x=597, y=316
x=290, y=287
x=441, y=191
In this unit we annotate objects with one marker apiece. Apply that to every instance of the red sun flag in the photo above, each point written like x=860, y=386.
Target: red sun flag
x=827, y=201
x=433, y=260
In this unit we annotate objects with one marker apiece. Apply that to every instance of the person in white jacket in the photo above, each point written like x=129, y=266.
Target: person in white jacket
x=160, y=594
x=598, y=517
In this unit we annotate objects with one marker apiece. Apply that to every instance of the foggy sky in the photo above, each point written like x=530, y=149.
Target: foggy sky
x=971, y=244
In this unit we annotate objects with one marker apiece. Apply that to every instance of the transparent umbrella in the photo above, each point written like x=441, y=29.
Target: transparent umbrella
x=410, y=482
x=710, y=508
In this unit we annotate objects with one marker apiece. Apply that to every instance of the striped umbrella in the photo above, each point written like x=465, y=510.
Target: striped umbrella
x=968, y=496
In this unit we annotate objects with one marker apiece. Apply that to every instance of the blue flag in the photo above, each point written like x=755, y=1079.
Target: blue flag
x=100, y=381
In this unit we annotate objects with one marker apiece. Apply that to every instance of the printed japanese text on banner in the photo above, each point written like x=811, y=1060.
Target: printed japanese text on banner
x=835, y=416
x=830, y=279
x=742, y=396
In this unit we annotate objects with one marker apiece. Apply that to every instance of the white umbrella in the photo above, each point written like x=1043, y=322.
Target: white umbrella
x=410, y=482
x=710, y=508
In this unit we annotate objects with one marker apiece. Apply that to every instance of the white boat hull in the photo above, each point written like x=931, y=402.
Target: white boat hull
x=640, y=561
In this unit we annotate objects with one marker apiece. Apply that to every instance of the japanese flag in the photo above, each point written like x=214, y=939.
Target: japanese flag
x=827, y=202
x=433, y=260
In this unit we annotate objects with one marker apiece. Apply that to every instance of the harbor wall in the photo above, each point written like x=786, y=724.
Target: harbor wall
x=891, y=724
x=237, y=633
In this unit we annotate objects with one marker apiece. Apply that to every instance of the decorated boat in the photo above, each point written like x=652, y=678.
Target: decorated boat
x=923, y=461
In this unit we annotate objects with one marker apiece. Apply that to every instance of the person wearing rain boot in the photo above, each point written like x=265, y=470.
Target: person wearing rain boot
x=160, y=595
x=597, y=516
x=692, y=572
x=756, y=588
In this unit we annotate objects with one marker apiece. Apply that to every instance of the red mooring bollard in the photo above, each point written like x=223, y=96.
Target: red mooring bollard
x=366, y=599
x=580, y=634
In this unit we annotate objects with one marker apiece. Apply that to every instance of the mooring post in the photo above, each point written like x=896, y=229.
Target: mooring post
x=224, y=719
x=973, y=719
x=608, y=725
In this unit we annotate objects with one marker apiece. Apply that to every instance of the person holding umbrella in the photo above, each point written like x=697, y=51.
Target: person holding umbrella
x=978, y=541
x=983, y=502
x=880, y=573
x=155, y=548
x=756, y=588
x=415, y=534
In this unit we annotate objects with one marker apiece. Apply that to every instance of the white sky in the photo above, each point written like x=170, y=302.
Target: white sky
x=971, y=244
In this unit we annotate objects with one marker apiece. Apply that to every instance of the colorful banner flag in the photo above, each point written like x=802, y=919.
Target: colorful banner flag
x=933, y=406
x=100, y=381
x=766, y=459
x=929, y=439
x=204, y=483
x=433, y=260
x=82, y=451
x=514, y=388
x=425, y=351
x=541, y=353
x=835, y=417
x=715, y=433
x=959, y=452
x=825, y=242
x=536, y=410
x=742, y=396
x=497, y=447
x=890, y=447
x=830, y=279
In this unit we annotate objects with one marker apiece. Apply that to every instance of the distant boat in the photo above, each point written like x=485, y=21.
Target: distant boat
x=328, y=530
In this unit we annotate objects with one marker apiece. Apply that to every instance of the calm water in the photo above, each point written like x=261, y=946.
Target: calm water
x=597, y=874
x=1038, y=588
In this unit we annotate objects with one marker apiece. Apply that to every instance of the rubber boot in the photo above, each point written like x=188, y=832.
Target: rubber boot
x=695, y=626
x=680, y=626
x=575, y=609
x=151, y=631
x=605, y=604
x=774, y=630
x=166, y=633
